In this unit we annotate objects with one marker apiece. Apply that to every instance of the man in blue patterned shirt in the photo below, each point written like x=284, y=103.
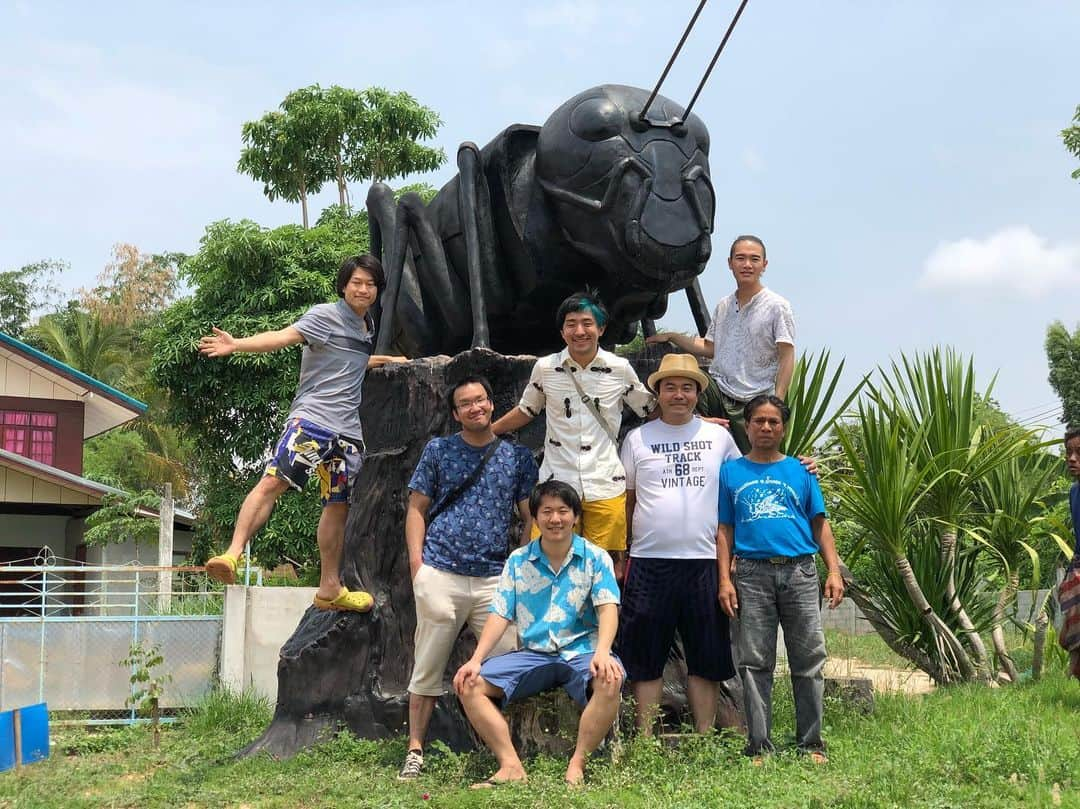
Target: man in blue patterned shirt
x=560, y=592
x=458, y=543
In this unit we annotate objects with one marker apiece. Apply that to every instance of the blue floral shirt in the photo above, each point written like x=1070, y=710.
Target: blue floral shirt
x=472, y=536
x=556, y=612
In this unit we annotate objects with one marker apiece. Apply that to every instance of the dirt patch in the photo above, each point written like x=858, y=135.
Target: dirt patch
x=886, y=679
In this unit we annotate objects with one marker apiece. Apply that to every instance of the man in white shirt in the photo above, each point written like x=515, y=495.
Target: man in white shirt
x=583, y=389
x=672, y=483
x=751, y=341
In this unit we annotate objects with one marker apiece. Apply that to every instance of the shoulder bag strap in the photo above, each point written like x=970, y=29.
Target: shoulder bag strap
x=449, y=500
x=592, y=406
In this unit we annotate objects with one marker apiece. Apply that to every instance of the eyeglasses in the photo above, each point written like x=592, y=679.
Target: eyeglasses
x=761, y=421
x=469, y=405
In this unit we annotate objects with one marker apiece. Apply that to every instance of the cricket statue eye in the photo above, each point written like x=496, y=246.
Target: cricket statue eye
x=597, y=119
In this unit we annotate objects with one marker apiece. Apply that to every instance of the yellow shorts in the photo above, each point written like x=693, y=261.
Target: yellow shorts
x=603, y=522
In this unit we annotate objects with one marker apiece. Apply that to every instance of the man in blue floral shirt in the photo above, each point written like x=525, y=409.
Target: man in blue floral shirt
x=560, y=591
x=457, y=529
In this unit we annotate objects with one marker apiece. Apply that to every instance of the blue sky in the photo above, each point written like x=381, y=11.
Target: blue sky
x=901, y=160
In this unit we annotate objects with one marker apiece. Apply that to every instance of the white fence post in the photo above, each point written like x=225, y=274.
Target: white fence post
x=165, y=547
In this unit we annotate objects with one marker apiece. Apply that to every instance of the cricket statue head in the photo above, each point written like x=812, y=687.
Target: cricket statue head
x=632, y=192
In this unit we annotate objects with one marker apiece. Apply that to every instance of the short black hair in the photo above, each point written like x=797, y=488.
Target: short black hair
x=366, y=262
x=555, y=488
x=747, y=237
x=1071, y=432
x=587, y=301
x=761, y=401
x=469, y=380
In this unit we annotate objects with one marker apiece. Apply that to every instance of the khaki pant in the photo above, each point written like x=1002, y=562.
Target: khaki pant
x=445, y=602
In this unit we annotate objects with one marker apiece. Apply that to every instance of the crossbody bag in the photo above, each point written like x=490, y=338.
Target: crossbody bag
x=452, y=497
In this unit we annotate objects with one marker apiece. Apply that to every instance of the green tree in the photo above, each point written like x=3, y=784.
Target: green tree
x=1071, y=137
x=86, y=342
x=247, y=279
x=25, y=291
x=284, y=153
x=337, y=134
x=1063, y=356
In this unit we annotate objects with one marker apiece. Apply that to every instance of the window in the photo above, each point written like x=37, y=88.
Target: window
x=32, y=435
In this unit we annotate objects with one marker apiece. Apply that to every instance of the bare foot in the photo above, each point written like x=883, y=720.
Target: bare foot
x=504, y=775
x=575, y=774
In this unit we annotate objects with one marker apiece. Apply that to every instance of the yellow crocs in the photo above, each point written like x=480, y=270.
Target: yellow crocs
x=347, y=601
x=222, y=568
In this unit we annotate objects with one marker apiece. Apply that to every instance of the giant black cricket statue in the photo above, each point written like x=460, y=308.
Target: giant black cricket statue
x=598, y=197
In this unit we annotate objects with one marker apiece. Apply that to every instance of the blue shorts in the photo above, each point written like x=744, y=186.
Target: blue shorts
x=524, y=673
x=305, y=447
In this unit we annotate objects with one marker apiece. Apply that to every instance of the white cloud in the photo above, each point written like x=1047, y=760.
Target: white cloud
x=1015, y=260
x=580, y=17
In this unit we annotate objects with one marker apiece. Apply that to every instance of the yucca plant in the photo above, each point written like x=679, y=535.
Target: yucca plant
x=884, y=484
x=1010, y=502
x=810, y=398
x=933, y=397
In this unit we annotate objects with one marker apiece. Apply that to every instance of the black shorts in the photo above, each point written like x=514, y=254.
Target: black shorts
x=665, y=595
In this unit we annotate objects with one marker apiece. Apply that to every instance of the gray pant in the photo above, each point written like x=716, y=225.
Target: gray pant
x=785, y=595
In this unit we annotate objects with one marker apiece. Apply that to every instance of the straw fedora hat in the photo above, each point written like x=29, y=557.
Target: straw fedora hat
x=683, y=365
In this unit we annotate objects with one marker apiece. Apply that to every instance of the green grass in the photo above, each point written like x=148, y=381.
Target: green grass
x=968, y=746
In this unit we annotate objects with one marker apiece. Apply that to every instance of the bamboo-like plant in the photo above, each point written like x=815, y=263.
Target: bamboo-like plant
x=933, y=397
x=885, y=483
x=1010, y=501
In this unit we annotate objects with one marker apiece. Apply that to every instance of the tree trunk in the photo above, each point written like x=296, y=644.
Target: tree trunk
x=954, y=660
x=303, y=201
x=1042, y=621
x=870, y=611
x=351, y=670
x=155, y=720
x=1008, y=594
x=342, y=197
x=974, y=640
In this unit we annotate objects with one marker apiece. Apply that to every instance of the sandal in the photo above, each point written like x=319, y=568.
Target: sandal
x=346, y=601
x=222, y=568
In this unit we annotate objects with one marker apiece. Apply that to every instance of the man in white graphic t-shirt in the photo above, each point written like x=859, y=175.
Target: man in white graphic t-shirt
x=672, y=484
x=751, y=341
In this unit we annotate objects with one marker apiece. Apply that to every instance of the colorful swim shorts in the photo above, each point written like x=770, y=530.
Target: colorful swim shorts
x=305, y=447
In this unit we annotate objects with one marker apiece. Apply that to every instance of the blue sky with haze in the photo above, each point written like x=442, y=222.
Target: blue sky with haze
x=901, y=160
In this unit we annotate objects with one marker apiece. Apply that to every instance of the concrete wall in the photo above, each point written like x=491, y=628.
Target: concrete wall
x=256, y=622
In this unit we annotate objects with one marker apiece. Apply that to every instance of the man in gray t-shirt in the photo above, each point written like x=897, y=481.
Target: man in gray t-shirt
x=323, y=432
x=751, y=341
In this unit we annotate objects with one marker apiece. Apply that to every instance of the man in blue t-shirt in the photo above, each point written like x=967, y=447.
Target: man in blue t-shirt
x=771, y=523
x=457, y=529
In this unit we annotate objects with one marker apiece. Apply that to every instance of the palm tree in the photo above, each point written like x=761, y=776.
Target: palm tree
x=87, y=343
x=809, y=397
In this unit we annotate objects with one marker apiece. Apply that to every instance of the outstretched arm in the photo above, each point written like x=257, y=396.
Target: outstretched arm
x=222, y=344
x=698, y=346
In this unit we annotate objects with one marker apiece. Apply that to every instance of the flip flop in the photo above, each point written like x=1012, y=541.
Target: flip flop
x=491, y=783
x=346, y=601
x=222, y=568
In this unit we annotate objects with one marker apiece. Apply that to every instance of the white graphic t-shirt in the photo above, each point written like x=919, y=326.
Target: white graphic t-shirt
x=675, y=474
